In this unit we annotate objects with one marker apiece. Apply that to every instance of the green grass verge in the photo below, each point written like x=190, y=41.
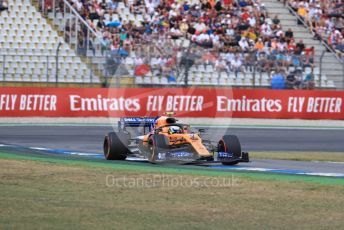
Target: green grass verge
x=300, y=156
x=52, y=193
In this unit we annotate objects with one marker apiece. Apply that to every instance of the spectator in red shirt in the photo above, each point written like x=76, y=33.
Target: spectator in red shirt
x=309, y=54
x=245, y=15
x=227, y=2
x=292, y=45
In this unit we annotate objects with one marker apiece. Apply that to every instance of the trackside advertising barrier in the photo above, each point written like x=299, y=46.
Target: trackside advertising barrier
x=186, y=102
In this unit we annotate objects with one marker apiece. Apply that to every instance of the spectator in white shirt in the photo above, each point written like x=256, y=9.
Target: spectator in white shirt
x=138, y=61
x=244, y=44
x=215, y=39
x=229, y=57
x=200, y=27
x=221, y=65
x=150, y=6
x=175, y=32
x=236, y=64
x=252, y=21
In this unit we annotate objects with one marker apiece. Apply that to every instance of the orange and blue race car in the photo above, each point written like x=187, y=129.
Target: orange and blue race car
x=163, y=139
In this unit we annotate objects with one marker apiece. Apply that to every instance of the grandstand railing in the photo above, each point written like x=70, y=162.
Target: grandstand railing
x=339, y=81
x=42, y=69
x=85, y=40
x=76, y=31
x=324, y=43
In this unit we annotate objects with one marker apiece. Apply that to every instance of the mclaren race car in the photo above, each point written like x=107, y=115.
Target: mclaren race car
x=163, y=139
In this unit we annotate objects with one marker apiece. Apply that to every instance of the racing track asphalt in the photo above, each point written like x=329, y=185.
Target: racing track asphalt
x=90, y=138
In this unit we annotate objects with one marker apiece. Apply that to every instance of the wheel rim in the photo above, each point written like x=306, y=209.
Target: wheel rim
x=152, y=150
x=222, y=146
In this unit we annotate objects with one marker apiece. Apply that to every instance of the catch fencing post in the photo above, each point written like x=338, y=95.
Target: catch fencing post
x=3, y=66
x=57, y=63
x=47, y=70
x=320, y=67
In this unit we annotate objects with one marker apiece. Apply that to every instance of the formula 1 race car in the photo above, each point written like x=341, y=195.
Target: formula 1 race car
x=162, y=139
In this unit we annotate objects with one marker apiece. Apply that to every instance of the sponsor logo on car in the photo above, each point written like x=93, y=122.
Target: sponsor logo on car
x=138, y=119
x=181, y=154
x=175, y=155
x=161, y=156
x=224, y=155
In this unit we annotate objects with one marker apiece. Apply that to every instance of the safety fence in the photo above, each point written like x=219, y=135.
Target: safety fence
x=184, y=67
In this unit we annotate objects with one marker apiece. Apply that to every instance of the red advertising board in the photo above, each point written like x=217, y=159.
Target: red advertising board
x=186, y=102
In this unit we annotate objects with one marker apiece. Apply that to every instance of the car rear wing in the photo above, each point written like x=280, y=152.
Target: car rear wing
x=136, y=122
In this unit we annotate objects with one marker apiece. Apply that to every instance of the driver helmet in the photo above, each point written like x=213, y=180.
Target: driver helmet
x=174, y=129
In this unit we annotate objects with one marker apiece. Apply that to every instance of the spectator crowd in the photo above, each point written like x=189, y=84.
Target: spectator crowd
x=238, y=35
x=325, y=19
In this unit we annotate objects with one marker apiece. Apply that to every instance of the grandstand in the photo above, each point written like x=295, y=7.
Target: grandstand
x=28, y=49
x=98, y=43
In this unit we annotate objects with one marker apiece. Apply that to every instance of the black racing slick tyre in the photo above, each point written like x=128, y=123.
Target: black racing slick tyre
x=116, y=146
x=158, y=143
x=230, y=144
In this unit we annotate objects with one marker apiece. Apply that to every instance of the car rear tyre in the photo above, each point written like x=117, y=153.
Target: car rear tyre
x=116, y=146
x=230, y=144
